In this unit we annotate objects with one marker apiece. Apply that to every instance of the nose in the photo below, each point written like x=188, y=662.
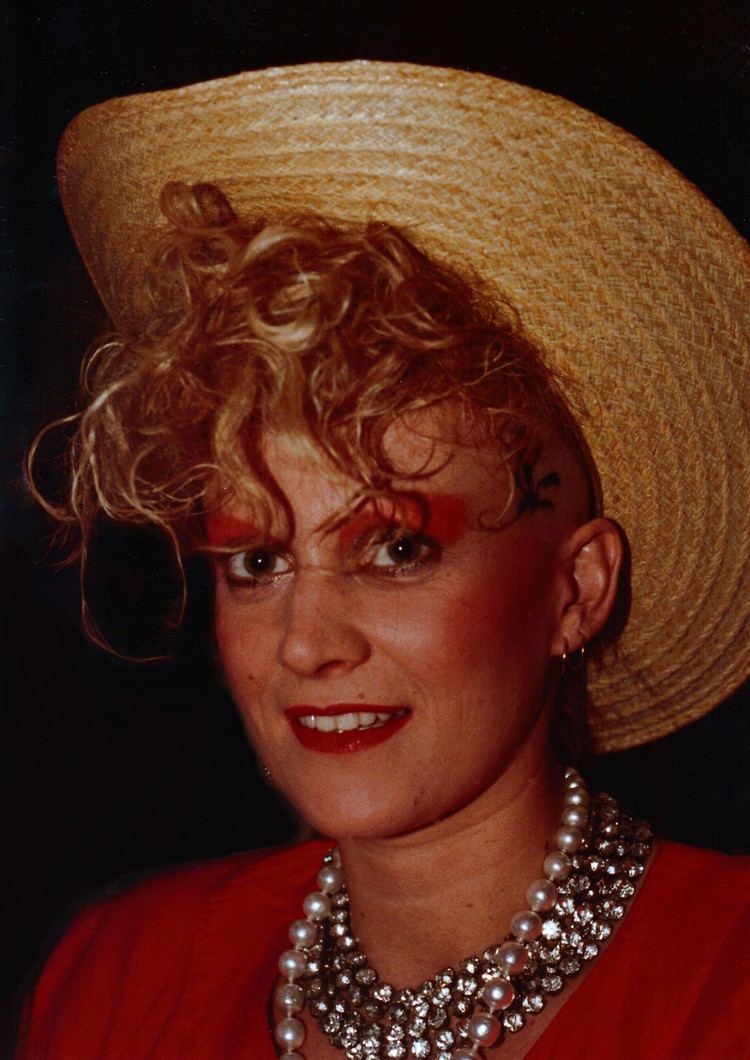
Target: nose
x=321, y=636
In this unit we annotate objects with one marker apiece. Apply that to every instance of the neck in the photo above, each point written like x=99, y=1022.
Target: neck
x=424, y=901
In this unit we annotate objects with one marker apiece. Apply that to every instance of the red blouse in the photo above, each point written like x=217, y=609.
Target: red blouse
x=180, y=967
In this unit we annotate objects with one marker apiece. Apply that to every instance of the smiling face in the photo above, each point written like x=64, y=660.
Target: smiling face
x=424, y=637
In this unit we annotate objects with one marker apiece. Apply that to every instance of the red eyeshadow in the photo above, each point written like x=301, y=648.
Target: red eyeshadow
x=441, y=516
x=224, y=529
x=447, y=520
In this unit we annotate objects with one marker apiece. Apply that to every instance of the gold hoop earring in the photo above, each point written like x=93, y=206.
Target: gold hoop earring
x=574, y=661
x=578, y=659
x=565, y=654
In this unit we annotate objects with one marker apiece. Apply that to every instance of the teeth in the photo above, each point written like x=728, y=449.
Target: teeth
x=345, y=722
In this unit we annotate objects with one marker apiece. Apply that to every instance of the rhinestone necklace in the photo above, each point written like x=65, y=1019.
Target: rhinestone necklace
x=599, y=856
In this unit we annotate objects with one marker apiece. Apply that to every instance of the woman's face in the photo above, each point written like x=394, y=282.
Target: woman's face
x=422, y=636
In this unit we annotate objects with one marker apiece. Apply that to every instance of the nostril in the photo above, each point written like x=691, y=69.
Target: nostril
x=324, y=650
x=334, y=666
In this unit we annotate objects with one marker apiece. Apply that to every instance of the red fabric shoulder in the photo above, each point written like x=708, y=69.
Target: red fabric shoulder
x=182, y=966
x=675, y=982
x=136, y=973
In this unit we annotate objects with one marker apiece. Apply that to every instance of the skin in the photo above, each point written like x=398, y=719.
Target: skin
x=468, y=639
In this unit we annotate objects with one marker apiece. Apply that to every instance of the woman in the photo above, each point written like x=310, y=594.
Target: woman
x=407, y=336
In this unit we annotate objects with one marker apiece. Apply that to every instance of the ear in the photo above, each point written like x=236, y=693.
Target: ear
x=592, y=556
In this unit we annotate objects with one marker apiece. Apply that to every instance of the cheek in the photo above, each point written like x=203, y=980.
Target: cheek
x=502, y=612
x=488, y=658
x=498, y=618
x=471, y=643
x=244, y=645
x=227, y=629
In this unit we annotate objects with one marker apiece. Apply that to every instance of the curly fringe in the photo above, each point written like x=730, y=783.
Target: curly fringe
x=330, y=331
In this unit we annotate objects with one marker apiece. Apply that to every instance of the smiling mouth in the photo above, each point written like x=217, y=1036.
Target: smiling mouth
x=337, y=730
x=359, y=721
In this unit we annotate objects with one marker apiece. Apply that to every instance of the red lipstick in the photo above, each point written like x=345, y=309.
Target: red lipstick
x=386, y=723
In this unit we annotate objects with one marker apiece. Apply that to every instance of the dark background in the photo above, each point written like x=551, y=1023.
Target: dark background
x=111, y=769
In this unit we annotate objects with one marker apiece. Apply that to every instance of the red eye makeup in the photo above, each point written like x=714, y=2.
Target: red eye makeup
x=223, y=529
x=442, y=517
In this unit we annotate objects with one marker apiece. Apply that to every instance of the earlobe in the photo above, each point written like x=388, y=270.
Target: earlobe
x=593, y=556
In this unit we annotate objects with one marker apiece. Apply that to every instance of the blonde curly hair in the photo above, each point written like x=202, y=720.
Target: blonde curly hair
x=331, y=330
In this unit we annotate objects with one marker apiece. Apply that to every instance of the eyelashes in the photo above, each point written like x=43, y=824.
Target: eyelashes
x=402, y=551
x=389, y=552
x=255, y=565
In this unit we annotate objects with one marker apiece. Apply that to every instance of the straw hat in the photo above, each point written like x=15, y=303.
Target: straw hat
x=630, y=280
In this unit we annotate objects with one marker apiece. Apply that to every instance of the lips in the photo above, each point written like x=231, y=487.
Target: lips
x=345, y=727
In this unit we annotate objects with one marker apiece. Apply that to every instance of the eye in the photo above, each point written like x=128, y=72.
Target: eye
x=257, y=565
x=403, y=551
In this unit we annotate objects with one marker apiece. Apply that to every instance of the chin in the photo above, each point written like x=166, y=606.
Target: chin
x=353, y=816
x=364, y=813
x=353, y=807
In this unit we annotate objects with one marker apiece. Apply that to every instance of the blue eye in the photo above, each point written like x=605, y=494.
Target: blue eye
x=256, y=565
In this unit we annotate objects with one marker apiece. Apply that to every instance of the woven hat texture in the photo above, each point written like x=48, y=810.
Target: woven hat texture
x=631, y=281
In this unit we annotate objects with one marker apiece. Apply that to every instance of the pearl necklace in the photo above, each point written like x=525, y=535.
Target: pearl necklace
x=599, y=856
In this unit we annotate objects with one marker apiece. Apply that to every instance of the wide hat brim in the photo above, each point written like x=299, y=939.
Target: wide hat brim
x=631, y=281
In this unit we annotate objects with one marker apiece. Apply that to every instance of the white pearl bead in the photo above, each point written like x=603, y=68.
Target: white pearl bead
x=317, y=905
x=541, y=895
x=575, y=817
x=557, y=865
x=291, y=997
x=526, y=926
x=572, y=773
x=464, y=1054
x=292, y=964
x=330, y=879
x=512, y=957
x=484, y=1029
x=576, y=797
x=290, y=1033
x=302, y=933
x=569, y=839
x=498, y=993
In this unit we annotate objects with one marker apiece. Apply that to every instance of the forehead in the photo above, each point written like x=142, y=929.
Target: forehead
x=303, y=488
x=433, y=454
x=425, y=457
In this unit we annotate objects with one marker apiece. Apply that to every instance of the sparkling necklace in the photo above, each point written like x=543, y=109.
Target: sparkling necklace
x=599, y=856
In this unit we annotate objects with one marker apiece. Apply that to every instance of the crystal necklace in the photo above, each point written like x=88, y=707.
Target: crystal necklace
x=599, y=857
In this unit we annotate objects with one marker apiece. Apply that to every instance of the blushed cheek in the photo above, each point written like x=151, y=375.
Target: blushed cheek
x=225, y=631
x=241, y=656
x=480, y=624
x=240, y=645
x=442, y=632
x=492, y=621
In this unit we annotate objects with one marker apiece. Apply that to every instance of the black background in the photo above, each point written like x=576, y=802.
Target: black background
x=111, y=769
